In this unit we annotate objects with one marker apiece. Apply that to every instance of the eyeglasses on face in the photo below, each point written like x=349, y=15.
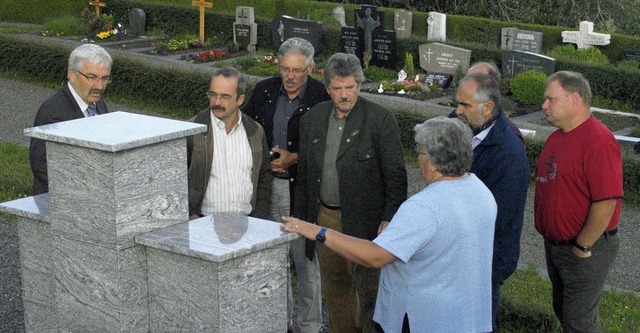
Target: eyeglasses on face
x=94, y=79
x=296, y=71
x=224, y=97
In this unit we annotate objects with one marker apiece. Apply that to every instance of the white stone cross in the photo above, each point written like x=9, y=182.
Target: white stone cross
x=585, y=38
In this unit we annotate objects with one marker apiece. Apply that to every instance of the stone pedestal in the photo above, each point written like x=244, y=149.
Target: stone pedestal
x=221, y=273
x=111, y=177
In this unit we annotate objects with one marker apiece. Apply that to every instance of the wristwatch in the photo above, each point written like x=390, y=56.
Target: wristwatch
x=584, y=249
x=320, y=238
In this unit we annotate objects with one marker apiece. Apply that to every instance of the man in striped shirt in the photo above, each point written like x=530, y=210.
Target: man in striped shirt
x=229, y=166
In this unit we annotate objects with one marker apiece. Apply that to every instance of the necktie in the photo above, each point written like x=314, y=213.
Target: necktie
x=91, y=110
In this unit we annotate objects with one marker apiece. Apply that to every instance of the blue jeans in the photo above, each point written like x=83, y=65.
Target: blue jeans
x=578, y=282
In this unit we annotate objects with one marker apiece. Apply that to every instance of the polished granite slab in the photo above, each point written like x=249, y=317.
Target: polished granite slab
x=36, y=207
x=217, y=237
x=221, y=273
x=115, y=131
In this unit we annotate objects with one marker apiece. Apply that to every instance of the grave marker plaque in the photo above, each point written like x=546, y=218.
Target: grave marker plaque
x=514, y=39
x=441, y=58
x=403, y=21
x=351, y=42
x=631, y=55
x=137, y=21
x=516, y=62
x=245, y=29
x=384, y=49
x=285, y=27
x=443, y=80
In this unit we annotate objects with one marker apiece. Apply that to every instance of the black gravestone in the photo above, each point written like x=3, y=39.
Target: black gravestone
x=631, y=55
x=516, y=62
x=351, y=42
x=137, y=22
x=242, y=32
x=285, y=27
x=384, y=49
x=443, y=80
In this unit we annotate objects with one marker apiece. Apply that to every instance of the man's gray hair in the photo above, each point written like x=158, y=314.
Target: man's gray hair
x=90, y=52
x=447, y=143
x=228, y=72
x=297, y=45
x=486, y=90
x=573, y=82
x=343, y=65
x=492, y=70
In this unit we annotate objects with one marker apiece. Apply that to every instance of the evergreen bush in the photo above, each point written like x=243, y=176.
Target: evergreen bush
x=628, y=64
x=591, y=55
x=528, y=88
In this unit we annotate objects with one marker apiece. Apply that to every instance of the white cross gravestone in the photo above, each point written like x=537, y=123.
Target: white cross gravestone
x=585, y=38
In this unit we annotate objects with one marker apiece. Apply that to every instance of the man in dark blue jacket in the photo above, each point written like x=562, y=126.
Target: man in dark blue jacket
x=278, y=103
x=500, y=161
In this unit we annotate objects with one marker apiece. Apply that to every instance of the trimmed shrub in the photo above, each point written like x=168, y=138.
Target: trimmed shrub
x=591, y=55
x=528, y=88
x=628, y=64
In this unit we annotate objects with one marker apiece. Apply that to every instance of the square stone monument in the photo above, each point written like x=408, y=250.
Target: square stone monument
x=514, y=39
x=441, y=58
x=285, y=27
x=403, y=21
x=245, y=29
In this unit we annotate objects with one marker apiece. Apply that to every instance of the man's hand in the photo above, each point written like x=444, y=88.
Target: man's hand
x=578, y=253
x=286, y=159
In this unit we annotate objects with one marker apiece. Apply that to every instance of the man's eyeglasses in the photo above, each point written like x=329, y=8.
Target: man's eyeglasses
x=94, y=79
x=224, y=97
x=296, y=71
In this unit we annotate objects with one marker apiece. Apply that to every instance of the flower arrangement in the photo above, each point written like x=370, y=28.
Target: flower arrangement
x=102, y=26
x=211, y=55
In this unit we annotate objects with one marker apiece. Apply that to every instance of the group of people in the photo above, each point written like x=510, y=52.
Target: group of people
x=303, y=150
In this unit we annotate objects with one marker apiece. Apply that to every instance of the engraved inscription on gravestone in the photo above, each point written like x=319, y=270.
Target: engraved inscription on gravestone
x=245, y=30
x=384, y=49
x=137, y=22
x=350, y=41
x=441, y=58
x=516, y=62
x=521, y=40
x=285, y=27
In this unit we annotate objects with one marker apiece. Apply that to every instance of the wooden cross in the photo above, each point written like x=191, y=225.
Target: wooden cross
x=97, y=4
x=202, y=4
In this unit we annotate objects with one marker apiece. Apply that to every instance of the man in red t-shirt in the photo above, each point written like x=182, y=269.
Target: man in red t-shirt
x=577, y=203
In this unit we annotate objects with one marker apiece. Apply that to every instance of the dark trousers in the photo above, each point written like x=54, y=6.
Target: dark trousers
x=578, y=282
x=495, y=306
x=349, y=290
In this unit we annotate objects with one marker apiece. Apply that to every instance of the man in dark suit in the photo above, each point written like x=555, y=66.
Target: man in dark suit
x=278, y=103
x=351, y=178
x=89, y=73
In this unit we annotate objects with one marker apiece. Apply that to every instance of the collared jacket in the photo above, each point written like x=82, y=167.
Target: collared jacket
x=61, y=106
x=262, y=108
x=370, y=162
x=500, y=161
x=200, y=157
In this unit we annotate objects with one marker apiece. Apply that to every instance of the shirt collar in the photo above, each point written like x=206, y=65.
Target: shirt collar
x=81, y=103
x=477, y=139
x=300, y=96
x=220, y=124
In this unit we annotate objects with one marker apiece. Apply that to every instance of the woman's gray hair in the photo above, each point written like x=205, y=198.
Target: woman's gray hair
x=297, y=45
x=228, y=72
x=343, y=65
x=447, y=144
x=572, y=82
x=90, y=52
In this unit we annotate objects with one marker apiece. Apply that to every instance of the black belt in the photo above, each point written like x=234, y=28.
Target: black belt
x=280, y=175
x=605, y=234
x=329, y=207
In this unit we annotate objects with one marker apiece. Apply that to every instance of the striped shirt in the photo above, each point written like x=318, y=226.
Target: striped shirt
x=230, y=188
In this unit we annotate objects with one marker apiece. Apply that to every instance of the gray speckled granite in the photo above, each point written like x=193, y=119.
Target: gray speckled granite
x=36, y=207
x=100, y=288
x=225, y=273
x=217, y=238
x=115, y=131
x=110, y=197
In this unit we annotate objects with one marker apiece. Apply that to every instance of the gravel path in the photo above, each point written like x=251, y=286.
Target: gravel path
x=19, y=102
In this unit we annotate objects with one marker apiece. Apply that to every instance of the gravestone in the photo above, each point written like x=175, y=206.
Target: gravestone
x=514, y=39
x=285, y=27
x=585, y=38
x=441, y=58
x=384, y=49
x=403, y=21
x=137, y=22
x=443, y=80
x=516, y=62
x=245, y=29
x=631, y=55
x=351, y=42
x=88, y=265
x=437, y=27
x=339, y=14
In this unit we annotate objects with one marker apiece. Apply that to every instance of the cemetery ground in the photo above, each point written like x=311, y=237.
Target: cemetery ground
x=526, y=296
